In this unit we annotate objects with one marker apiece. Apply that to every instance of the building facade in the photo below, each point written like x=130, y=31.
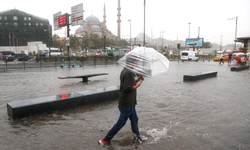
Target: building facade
x=17, y=28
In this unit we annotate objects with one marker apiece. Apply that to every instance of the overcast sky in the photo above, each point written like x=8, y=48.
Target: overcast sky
x=170, y=16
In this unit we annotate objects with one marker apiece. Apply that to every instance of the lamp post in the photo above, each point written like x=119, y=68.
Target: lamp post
x=162, y=38
x=130, y=34
x=144, y=25
x=235, y=30
x=104, y=44
x=221, y=41
x=189, y=30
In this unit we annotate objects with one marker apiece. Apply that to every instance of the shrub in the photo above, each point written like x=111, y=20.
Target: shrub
x=110, y=54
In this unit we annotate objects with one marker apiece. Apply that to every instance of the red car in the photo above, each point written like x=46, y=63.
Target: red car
x=100, y=55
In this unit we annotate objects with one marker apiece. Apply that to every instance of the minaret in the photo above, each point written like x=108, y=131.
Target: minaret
x=119, y=21
x=104, y=15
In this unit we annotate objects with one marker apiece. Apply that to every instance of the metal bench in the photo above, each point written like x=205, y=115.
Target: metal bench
x=240, y=68
x=200, y=75
x=84, y=77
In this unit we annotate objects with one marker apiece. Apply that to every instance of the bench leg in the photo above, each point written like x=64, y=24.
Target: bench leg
x=85, y=79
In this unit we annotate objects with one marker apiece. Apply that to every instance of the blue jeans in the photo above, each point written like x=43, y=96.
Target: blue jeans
x=125, y=113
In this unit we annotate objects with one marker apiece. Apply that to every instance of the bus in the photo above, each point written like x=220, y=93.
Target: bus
x=55, y=51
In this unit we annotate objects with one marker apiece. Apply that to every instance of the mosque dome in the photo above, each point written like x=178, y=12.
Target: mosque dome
x=95, y=27
x=91, y=18
x=80, y=28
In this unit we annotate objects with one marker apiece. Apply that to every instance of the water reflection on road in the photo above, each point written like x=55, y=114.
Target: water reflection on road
x=206, y=114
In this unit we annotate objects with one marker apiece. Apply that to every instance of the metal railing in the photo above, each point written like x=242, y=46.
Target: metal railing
x=59, y=62
x=56, y=62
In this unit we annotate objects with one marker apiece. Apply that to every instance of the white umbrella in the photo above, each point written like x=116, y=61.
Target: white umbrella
x=237, y=54
x=228, y=51
x=247, y=53
x=150, y=62
x=219, y=52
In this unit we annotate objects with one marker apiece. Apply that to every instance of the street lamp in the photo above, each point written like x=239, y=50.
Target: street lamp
x=104, y=43
x=220, y=41
x=144, y=25
x=189, y=30
x=235, y=30
x=162, y=38
x=130, y=33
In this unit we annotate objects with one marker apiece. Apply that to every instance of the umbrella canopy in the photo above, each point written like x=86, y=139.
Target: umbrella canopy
x=149, y=61
x=247, y=53
x=219, y=52
x=228, y=51
x=237, y=54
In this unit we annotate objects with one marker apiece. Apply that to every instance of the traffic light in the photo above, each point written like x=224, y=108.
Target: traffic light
x=111, y=48
x=90, y=48
x=178, y=46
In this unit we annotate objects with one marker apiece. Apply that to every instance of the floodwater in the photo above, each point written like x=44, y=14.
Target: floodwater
x=209, y=114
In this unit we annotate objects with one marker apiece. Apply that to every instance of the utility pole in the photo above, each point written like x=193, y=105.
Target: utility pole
x=104, y=43
x=235, y=33
x=162, y=38
x=144, y=25
x=189, y=30
x=130, y=34
x=221, y=41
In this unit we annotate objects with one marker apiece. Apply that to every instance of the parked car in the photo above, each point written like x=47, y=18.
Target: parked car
x=100, y=55
x=7, y=55
x=9, y=58
x=22, y=57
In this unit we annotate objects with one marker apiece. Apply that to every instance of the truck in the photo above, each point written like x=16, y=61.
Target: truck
x=55, y=51
x=188, y=55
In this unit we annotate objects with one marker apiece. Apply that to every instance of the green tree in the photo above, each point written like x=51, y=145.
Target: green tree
x=207, y=45
x=92, y=40
x=55, y=37
x=108, y=42
x=123, y=43
x=74, y=43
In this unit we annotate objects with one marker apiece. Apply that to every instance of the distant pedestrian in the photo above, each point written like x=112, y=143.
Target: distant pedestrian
x=249, y=59
x=242, y=60
x=234, y=60
x=221, y=58
x=229, y=58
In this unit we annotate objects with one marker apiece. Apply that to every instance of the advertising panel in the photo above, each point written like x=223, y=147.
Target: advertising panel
x=194, y=42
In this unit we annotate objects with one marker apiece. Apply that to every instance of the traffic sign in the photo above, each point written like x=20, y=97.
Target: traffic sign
x=56, y=24
x=67, y=41
x=77, y=15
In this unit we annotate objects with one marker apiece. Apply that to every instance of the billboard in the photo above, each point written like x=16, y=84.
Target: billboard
x=194, y=42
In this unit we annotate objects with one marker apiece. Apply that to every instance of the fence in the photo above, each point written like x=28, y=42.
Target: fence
x=59, y=62
x=56, y=62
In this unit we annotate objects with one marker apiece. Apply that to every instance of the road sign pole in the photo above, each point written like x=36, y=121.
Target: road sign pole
x=68, y=45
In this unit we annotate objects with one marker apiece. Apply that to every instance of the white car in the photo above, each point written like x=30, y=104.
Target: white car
x=188, y=55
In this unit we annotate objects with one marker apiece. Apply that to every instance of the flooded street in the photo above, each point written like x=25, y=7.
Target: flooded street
x=210, y=114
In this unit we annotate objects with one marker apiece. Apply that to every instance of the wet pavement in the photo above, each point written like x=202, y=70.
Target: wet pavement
x=207, y=114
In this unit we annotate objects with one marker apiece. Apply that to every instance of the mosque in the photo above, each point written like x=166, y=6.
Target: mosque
x=93, y=25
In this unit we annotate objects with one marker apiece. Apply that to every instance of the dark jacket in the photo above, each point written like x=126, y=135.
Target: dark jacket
x=127, y=92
